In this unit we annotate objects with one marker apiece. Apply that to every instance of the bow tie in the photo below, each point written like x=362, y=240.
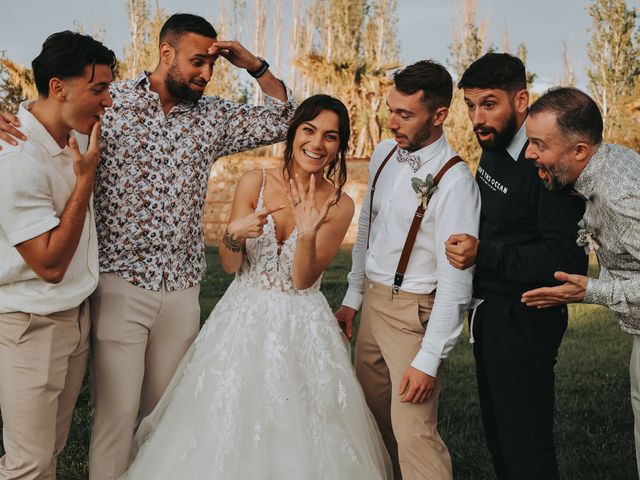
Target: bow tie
x=413, y=160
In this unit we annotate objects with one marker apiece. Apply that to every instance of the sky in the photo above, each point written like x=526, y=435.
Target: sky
x=424, y=28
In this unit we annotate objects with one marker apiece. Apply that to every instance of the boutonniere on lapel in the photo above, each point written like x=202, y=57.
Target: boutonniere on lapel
x=424, y=189
x=587, y=238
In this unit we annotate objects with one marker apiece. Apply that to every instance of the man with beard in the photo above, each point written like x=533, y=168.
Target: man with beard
x=565, y=135
x=527, y=232
x=407, y=325
x=158, y=143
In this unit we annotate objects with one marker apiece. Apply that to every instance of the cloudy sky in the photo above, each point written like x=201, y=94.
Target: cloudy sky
x=424, y=27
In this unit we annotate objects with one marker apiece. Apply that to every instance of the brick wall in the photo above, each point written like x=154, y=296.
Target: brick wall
x=226, y=172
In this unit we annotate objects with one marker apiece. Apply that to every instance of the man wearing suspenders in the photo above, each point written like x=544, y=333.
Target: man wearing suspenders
x=412, y=299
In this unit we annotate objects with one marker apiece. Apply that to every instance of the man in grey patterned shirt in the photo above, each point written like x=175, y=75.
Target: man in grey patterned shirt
x=565, y=141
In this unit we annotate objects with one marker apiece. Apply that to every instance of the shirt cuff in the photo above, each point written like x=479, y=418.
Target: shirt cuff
x=352, y=299
x=426, y=363
x=599, y=292
x=270, y=101
x=33, y=231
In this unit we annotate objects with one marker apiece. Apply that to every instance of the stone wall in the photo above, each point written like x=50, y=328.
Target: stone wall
x=226, y=172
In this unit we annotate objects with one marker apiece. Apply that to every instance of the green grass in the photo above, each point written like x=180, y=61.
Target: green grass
x=594, y=422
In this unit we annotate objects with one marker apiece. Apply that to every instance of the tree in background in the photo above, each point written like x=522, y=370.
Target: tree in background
x=16, y=85
x=615, y=60
x=468, y=44
x=347, y=48
x=569, y=77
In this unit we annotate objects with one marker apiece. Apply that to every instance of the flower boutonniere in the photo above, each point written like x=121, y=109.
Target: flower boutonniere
x=424, y=188
x=587, y=238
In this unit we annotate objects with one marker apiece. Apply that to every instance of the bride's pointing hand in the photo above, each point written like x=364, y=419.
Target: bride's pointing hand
x=306, y=214
x=250, y=226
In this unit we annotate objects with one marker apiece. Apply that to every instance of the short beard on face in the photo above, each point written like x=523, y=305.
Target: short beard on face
x=420, y=138
x=558, y=175
x=501, y=138
x=178, y=87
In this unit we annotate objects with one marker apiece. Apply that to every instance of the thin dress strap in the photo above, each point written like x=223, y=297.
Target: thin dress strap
x=259, y=206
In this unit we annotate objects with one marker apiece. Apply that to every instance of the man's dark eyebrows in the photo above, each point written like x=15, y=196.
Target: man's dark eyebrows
x=398, y=110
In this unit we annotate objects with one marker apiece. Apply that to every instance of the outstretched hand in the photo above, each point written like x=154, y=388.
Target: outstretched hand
x=250, y=226
x=572, y=291
x=9, y=132
x=235, y=52
x=307, y=216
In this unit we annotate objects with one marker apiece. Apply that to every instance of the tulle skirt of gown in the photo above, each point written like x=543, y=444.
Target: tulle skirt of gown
x=267, y=391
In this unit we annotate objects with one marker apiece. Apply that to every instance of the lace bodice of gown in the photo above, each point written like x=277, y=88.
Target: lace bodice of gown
x=268, y=265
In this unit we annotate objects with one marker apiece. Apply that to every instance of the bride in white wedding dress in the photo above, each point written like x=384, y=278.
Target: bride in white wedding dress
x=267, y=390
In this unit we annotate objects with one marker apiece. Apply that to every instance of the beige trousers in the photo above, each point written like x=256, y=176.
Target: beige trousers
x=138, y=338
x=42, y=365
x=634, y=374
x=390, y=335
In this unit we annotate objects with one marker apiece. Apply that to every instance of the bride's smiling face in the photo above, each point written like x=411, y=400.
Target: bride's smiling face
x=316, y=142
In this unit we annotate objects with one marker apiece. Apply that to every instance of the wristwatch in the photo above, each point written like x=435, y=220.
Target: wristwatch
x=260, y=71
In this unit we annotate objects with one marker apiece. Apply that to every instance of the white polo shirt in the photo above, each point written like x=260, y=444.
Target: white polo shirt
x=36, y=181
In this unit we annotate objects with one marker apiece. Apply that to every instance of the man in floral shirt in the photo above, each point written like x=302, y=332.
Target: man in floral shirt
x=565, y=135
x=158, y=143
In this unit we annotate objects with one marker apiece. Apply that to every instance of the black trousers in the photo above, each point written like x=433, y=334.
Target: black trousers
x=515, y=350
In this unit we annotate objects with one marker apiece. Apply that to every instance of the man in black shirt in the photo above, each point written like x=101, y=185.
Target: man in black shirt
x=527, y=233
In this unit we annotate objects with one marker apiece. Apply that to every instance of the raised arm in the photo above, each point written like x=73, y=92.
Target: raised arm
x=319, y=234
x=240, y=57
x=244, y=221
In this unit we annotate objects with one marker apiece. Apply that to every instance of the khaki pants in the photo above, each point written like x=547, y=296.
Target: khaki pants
x=634, y=371
x=139, y=337
x=390, y=335
x=42, y=365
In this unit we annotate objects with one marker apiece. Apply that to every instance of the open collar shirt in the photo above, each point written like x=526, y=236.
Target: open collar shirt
x=453, y=208
x=152, y=179
x=610, y=182
x=36, y=181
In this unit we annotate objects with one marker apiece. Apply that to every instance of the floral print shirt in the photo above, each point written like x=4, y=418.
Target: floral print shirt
x=611, y=184
x=152, y=178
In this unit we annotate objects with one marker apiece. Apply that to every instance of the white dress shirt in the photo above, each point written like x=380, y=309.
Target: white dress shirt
x=36, y=181
x=517, y=142
x=453, y=208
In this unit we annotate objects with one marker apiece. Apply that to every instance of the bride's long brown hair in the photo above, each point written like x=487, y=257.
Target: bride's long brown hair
x=336, y=170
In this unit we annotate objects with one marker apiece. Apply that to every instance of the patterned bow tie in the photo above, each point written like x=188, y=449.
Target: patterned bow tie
x=414, y=161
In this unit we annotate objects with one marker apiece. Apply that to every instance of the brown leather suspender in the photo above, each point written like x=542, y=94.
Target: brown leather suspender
x=373, y=187
x=417, y=218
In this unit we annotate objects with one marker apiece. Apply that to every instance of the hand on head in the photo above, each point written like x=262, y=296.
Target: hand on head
x=235, y=52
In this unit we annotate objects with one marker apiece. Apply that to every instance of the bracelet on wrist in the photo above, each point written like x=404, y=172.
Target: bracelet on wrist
x=230, y=242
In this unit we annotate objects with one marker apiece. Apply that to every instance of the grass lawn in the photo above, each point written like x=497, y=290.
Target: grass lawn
x=594, y=422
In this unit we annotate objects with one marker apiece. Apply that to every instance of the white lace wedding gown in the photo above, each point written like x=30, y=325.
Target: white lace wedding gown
x=267, y=390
